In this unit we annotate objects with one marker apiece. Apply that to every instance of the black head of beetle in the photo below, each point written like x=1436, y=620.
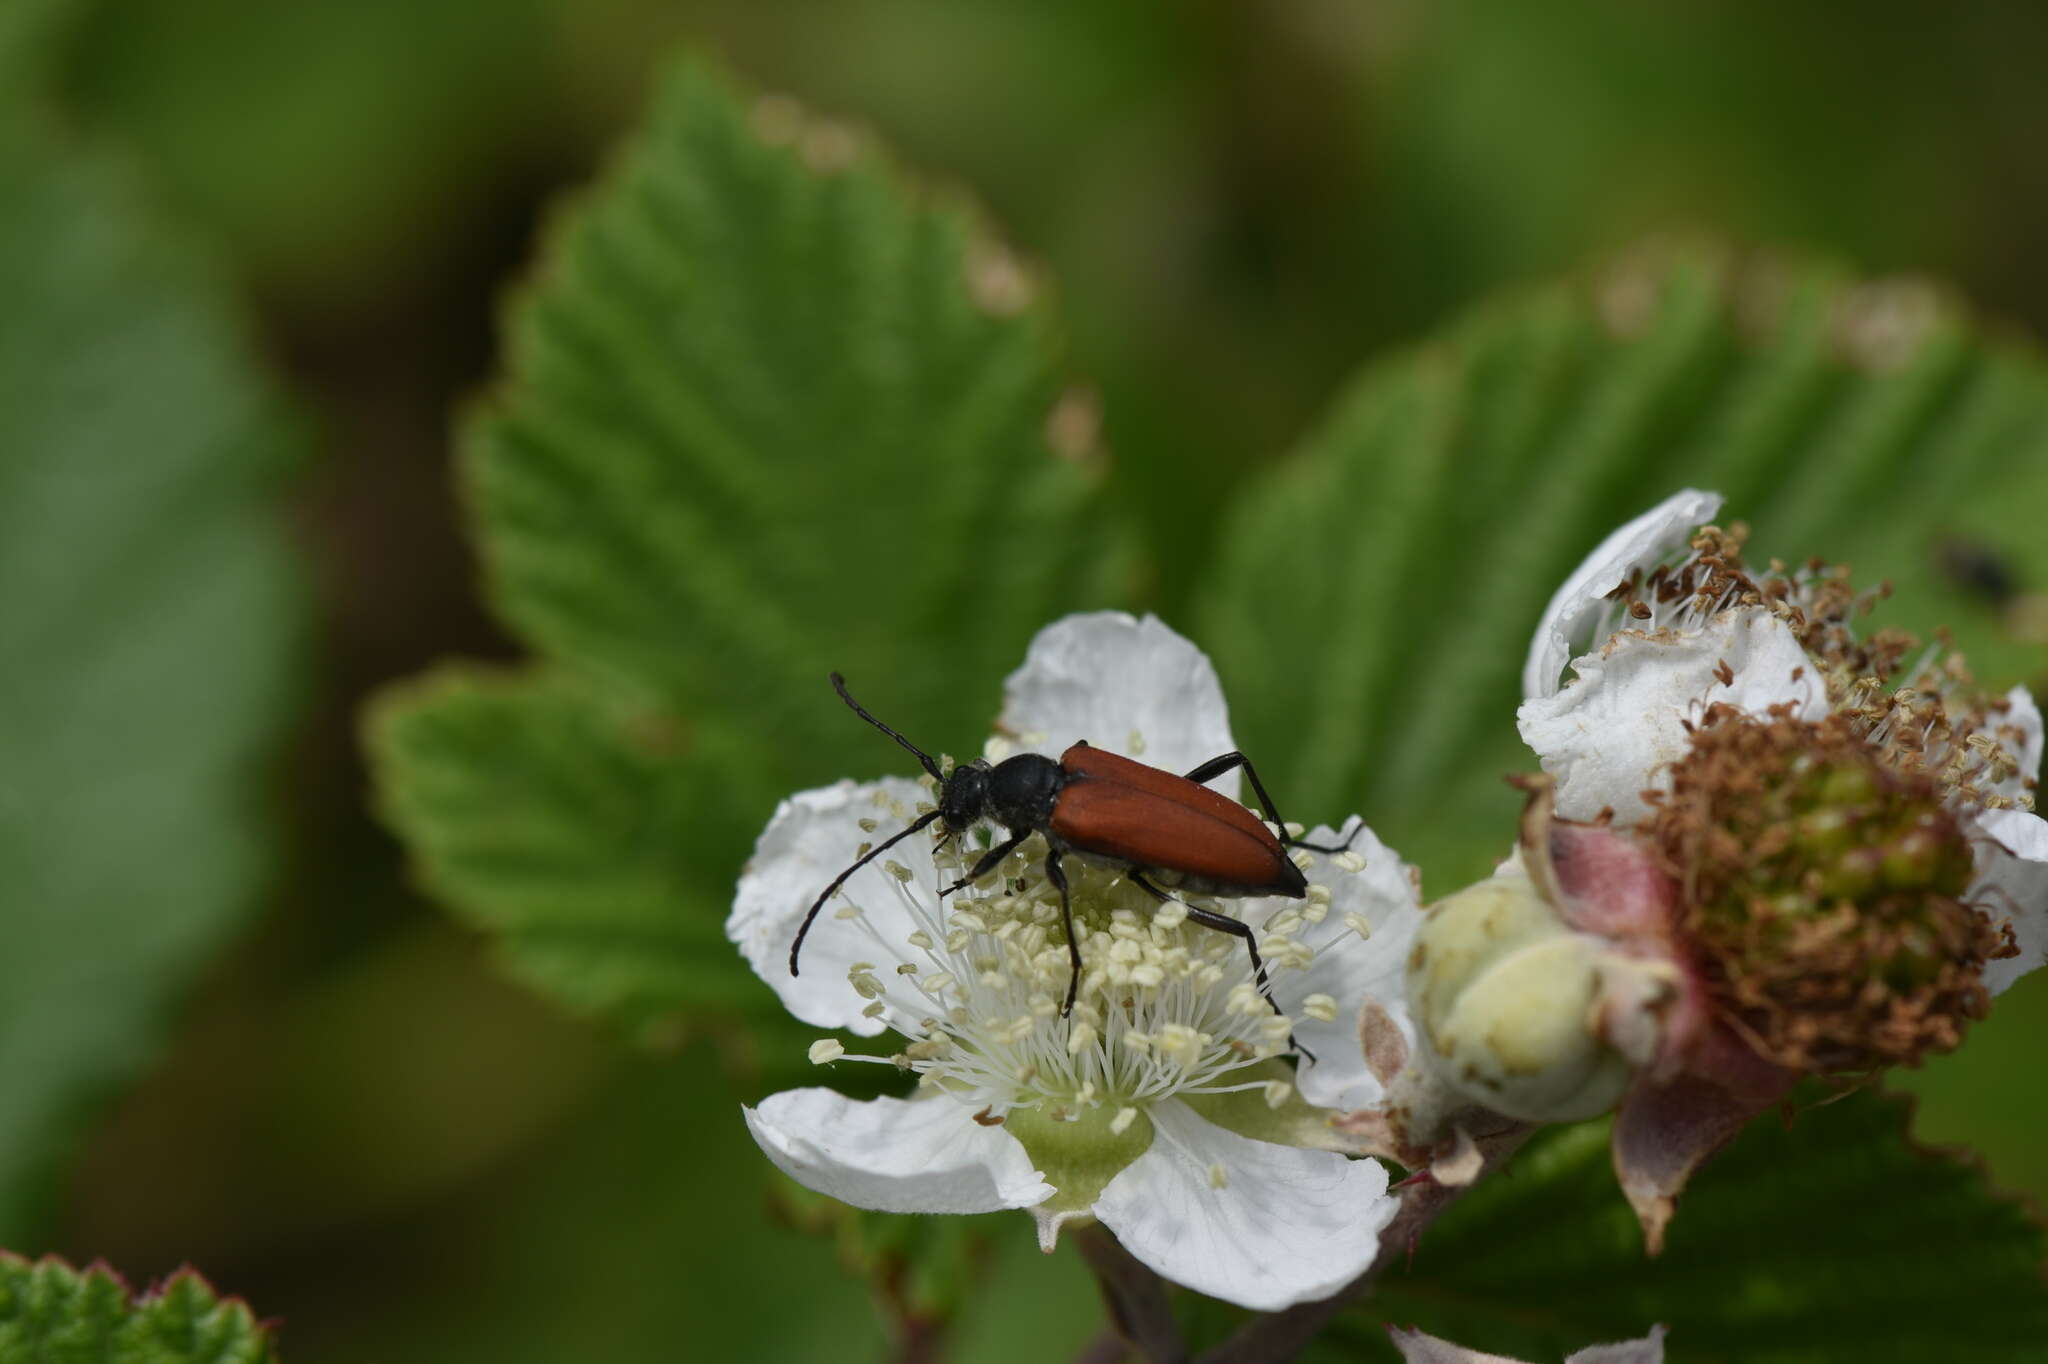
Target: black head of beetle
x=1018, y=793
x=963, y=796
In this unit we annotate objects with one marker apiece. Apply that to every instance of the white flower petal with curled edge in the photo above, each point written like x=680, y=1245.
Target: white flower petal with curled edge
x=1639, y=544
x=2012, y=884
x=809, y=840
x=1615, y=730
x=2019, y=730
x=895, y=1155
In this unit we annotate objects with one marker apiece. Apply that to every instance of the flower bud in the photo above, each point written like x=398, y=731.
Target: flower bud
x=1507, y=998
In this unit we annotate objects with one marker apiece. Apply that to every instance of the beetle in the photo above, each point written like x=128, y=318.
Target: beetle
x=1977, y=569
x=1096, y=804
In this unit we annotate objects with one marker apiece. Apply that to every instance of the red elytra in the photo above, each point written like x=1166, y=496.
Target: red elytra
x=1114, y=807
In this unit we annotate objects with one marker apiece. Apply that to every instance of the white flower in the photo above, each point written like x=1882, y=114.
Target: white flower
x=1666, y=639
x=1160, y=1105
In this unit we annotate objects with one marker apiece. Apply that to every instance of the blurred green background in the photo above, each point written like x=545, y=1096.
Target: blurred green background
x=353, y=1121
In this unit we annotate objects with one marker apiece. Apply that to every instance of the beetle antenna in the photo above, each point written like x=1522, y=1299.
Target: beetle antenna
x=872, y=853
x=839, y=685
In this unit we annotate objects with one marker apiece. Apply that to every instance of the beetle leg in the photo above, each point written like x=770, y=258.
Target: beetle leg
x=990, y=860
x=1217, y=766
x=1237, y=928
x=1058, y=876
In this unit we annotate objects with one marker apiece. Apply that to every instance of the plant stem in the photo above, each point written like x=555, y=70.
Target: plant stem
x=1136, y=1298
x=1107, y=1348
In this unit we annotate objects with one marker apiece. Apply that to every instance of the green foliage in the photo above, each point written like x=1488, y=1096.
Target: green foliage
x=661, y=1175
x=764, y=408
x=1968, y=1097
x=1512, y=140
x=323, y=141
x=572, y=827
x=51, y=1313
x=922, y=1271
x=769, y=412
x=150, y=602
x=1832, y=1240
x=29, y=33
x=1238, y=202
x=753, y=358
x=1376, y=597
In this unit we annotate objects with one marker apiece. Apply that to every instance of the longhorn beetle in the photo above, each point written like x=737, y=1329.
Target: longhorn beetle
x=1095, y=804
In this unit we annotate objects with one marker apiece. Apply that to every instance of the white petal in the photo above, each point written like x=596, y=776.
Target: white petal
x=1288, y=1226
x=1638, y=544
x=2012, y=884
x=1107, y=677
x=1418, y=1348
x=1385, y=894
x=1610, y=733
x=1648, y=1350
x=895, y=1155
x=812, y=837
x=2019, y=730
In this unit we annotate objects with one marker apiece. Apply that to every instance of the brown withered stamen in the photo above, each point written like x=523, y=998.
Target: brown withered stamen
x=1919, y=708
x=1822, y=885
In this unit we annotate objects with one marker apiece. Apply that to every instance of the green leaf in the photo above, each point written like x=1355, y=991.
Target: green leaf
x=573, y=829
x=768, y=412
x=1832, y=1240
x=151, y=604
x=762, y=421
x=51, y=1313
x=1373, y=602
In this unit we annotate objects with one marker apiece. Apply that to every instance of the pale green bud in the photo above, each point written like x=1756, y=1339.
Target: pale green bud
x=1507, y=999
